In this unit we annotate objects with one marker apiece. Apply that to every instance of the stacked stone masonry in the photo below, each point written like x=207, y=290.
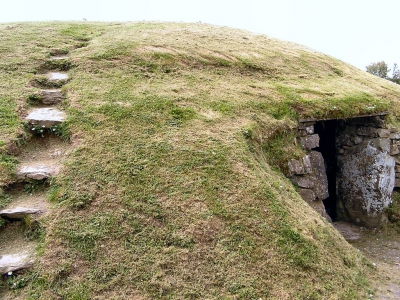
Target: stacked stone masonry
x=308, y=174
x=368, y=169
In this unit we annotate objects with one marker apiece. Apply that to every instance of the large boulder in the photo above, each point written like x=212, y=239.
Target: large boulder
x=365, y=181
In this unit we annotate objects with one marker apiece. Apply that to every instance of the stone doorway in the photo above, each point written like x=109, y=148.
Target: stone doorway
x=349, y=171
x=326, y=131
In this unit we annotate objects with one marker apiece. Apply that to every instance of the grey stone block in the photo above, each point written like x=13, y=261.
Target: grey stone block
x=46, y=117
x=310, y=142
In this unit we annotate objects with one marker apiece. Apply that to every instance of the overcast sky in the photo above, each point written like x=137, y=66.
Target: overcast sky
x=356, y=31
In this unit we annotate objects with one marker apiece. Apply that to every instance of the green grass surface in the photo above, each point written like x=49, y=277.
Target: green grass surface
x=173, y=190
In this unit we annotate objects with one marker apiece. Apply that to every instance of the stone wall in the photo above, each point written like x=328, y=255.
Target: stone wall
x=368, y=168
x=308, y=173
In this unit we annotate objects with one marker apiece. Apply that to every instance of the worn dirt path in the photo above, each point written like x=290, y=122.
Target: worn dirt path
x=382, y=248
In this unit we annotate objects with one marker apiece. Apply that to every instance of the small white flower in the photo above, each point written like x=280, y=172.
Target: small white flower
x=43, y=126
x=9, y=273
x=33, y=128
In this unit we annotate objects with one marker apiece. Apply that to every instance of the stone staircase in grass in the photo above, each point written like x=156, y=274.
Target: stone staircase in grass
x=16, y=252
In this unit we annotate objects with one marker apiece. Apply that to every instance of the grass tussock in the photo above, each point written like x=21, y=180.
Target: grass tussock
x=174, y=190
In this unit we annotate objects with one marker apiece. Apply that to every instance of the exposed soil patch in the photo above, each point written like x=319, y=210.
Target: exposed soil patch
x=20, y=198
x=44, y=150
x=13, y=240
x=382, y=248
x=349, y=231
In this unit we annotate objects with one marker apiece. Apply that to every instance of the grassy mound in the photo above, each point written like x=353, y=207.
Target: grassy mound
x=174, y=190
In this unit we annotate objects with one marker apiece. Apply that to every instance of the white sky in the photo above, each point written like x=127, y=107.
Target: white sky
x=356, y=31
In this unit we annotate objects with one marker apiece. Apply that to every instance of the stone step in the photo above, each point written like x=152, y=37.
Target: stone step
x=18, y=213
x=59, y=57
x=58, y=76
x=15, y=262
x=37, y=171
x=16, y=252
x=50, y=97
x=46, y=117
x=23, y=204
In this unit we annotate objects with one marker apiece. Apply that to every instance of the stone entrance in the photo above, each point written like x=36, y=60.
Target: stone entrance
x=349, y=170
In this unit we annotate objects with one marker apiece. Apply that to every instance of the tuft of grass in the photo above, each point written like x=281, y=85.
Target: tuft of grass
x=7, y=169
x=58, y=64
x=43, y=81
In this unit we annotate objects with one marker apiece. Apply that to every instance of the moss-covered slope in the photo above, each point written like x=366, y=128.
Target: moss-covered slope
x=173, y=190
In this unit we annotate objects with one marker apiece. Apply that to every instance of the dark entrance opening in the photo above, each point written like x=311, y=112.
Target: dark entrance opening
x=327, y=146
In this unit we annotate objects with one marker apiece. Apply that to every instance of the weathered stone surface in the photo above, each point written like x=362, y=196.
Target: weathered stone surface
x=50, y=97
x=302, y=132
x=295, y=167
x=365, y=181
x=320, y=180
x=58, y=76
x=307, y=195
x=306, y=182
x=356, y=140
x=314, y=184
x=300, y=167
x=347, y=137
x=395, y=136
x=367, y=131
x=14, y=262
x=60, y=57
x=37, y=172
x=303, y=125
x=394, y=150
x=319, y=207
x=310, y=130
x=310, y=142
x=383, y=133
x=46, y=117
x=373, y=121
x=18, y=212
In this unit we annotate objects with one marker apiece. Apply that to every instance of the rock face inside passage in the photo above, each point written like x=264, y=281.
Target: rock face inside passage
x=18, y=213
x=37, y=172
x=46, y=117
x=51, y=97
x=366, y=178
x=14, y=262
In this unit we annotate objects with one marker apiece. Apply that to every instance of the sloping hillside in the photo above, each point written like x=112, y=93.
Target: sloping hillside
x=172, y=189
